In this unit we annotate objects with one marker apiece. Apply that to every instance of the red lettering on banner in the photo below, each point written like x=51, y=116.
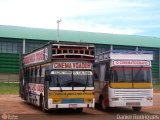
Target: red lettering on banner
x=127, y=62
x=71, y=65
x=40, y=56
x=36, y=88
x=40, y=88
x=33, y=87
x=34, y=57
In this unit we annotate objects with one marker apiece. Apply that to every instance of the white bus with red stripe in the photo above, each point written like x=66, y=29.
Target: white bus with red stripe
x=123, y=79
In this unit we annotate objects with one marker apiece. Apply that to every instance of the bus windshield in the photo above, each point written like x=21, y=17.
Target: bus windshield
x=131, y=74
x=71, y=79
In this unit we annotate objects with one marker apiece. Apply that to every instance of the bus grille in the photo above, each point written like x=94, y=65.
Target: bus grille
x=129, y=94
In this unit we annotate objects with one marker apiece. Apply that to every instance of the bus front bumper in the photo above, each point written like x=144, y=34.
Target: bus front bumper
x=70, y=105
x=133, y=103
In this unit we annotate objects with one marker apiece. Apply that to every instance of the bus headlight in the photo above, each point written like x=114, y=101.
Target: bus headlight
x=149, y=98
x=56, y=101
x=88, y=101
x=115, y=99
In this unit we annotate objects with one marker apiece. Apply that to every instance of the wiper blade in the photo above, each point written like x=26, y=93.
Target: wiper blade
x=78, y=84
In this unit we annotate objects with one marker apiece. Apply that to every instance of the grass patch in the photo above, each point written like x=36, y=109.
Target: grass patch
x=9, y=88
x=156, y=87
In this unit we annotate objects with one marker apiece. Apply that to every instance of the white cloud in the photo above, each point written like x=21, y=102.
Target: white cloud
x=45, y=13
x=98, y=28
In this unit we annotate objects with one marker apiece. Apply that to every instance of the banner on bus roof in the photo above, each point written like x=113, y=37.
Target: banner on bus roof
x=131, y=62
x=38, y=56
x=72, y=65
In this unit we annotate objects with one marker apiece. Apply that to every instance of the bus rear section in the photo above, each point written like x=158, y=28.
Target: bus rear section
x=59, y=75
x=126, y=80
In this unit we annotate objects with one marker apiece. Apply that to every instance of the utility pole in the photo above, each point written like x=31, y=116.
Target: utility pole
x=24, y=47
x=58, y=21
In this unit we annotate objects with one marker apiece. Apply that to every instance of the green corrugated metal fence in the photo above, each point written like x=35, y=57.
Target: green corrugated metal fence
x=9, y=63
x=120, y=47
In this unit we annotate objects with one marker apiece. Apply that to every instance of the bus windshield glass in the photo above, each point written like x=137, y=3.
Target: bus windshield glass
x=131, y=74
x=71, y=79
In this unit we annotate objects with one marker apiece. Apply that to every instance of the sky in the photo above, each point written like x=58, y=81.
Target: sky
x=131, y=17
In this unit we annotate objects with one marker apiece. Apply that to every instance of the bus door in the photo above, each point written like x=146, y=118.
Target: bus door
x=46, y=88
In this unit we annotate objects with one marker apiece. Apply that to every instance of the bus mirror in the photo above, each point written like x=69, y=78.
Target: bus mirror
x=48, y=78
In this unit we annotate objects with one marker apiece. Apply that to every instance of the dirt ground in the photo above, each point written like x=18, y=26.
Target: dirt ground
x=14, y=105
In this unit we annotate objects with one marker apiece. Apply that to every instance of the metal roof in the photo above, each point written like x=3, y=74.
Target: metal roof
x=77, y=36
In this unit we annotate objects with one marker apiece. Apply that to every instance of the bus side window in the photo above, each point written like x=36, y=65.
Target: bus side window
x=43, y=75
x=40, y=71
x=32, y=77
x=31, y=72
x=28, y=74
x=27, y=70
x=40, y=74
x=35, y=72
x=37, y=76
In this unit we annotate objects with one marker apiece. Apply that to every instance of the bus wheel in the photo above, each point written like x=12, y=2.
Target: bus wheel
x=137, y=109
x=43, y=107
x=103, y=107
x=28, y=99
x=79, y=110
x=40, y=101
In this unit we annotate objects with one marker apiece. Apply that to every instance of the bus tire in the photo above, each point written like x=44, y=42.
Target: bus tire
x=43, y=106
x=79, y=110
x=28, y=99
x=137, y=109
x=40, y=101
x=102, y=105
